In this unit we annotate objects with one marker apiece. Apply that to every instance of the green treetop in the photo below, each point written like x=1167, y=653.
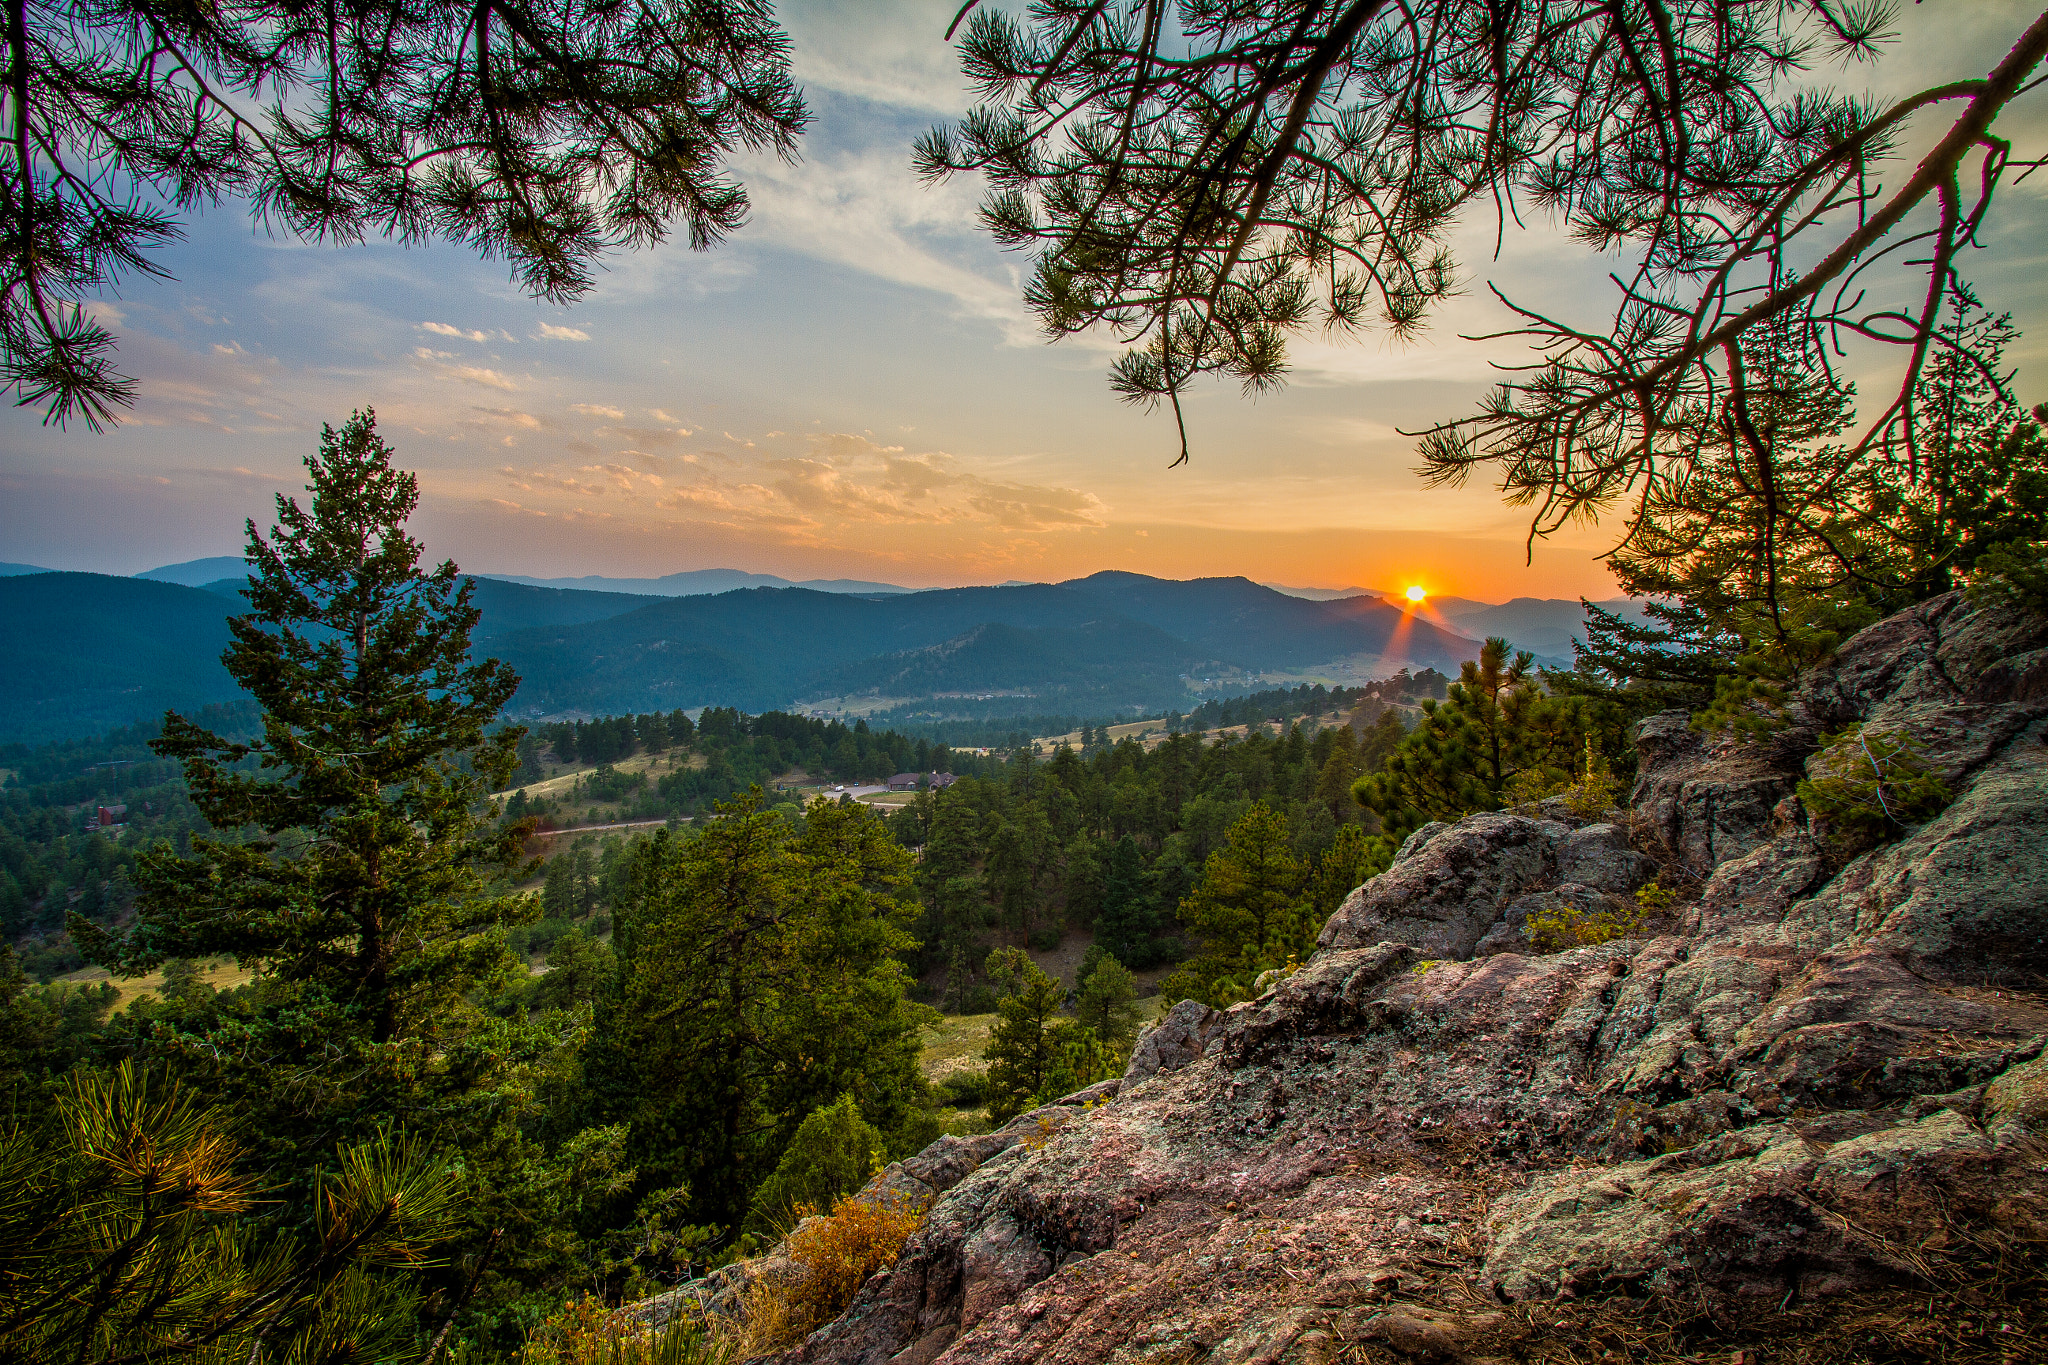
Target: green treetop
x=759, y=980
x=1249, y=909
x=345, y=869
x=1035, y=1053
x=1499, y=736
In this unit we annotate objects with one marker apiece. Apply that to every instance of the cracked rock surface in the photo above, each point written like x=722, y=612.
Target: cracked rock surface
x=1810, y=1071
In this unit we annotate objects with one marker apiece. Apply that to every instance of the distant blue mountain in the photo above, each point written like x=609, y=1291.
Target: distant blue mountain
x=90, y=651
x=17, y=570
x=87, y=652
x=506, y=606
x=197, y=573
x=701, y=582
x=1324, y=594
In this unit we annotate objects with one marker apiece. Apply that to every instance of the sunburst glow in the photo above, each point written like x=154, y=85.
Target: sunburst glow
x=1416, y=593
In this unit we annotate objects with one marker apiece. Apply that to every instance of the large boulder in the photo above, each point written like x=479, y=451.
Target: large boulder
x=1824, y=1080
x=1172, y=1042
x=1707, y=799
x=1448, y=885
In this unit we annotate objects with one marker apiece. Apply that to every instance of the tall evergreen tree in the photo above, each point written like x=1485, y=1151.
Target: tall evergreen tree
x=1035, y=1054
x=1128, y=924
x=357, y=894
x=1248, y=910
x=1498, y=735
x=759, y=980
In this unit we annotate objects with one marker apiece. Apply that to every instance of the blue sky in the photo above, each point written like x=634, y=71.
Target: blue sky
x=848, y=388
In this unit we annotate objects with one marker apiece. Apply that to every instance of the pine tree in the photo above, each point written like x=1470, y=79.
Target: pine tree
x=949, y=880
x=1107, y=1002
x=760, y=979
x=1344, y=866
x=1248, y=910
x=358, y=896
x=1128, y=923
x=1497, y=734
x=1339, y=770
x=1034, y=1054
x=833, y=1153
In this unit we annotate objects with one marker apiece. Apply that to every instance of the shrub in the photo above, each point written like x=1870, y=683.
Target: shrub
x=587, y=1333
x=1654, y=900
x=966, y=1089
x=1868, y=785
x=833, y=1153
x=1553, y=931
x=1045, y=940
x=834, y=1255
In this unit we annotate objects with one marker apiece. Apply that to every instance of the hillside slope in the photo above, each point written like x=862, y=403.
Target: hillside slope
x=1800, y=1119
x=1098, y=666
x=1100, y=644
x=93, y=651
x=87, y=652
x=507, y=607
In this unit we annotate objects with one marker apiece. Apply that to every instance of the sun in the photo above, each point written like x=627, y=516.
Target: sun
x=1416, y=593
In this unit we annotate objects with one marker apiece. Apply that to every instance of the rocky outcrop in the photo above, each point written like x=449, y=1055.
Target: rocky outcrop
x=1818, y=1081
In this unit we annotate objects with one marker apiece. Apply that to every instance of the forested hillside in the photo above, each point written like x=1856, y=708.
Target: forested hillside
x=100, y=651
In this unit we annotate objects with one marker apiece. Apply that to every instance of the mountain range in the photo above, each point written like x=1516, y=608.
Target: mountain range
x=200, y=573
x=95, y=651
x=699, y=582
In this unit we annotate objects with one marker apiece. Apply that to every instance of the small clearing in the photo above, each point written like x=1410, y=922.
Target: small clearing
x=955, y=1044
x=220, y=973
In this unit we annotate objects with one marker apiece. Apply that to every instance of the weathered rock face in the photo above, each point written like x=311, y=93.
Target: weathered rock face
x=1799, y=1092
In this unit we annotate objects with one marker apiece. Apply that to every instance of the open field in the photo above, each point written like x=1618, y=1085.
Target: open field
x=561, y=777
x=955, y=1044
x=219, y=973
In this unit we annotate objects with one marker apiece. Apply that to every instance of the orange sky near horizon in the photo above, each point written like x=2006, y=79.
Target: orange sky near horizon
x=852, y=386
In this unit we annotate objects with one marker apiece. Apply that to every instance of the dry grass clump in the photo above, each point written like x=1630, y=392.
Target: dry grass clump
x=588, y=1333
x=832, y=1257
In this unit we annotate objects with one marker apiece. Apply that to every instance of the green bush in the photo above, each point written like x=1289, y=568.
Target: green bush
x=1869, y=785
x=1045, y=940
x=833, y=1153
x=965, y=1089
x=1553, y=931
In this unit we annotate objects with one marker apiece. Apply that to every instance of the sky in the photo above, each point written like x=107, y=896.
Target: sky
x=850, y=387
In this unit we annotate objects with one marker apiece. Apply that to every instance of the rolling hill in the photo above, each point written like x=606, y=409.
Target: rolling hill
x=767, y=647
x=88, y=652
x=102, y=651
x=699, y=582
x=198, y=573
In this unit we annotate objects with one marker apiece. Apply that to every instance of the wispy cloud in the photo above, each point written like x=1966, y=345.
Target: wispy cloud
x=550, y=332
x=436, y=362
x=843, y=480
x=867, y=210
x=442, y=329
